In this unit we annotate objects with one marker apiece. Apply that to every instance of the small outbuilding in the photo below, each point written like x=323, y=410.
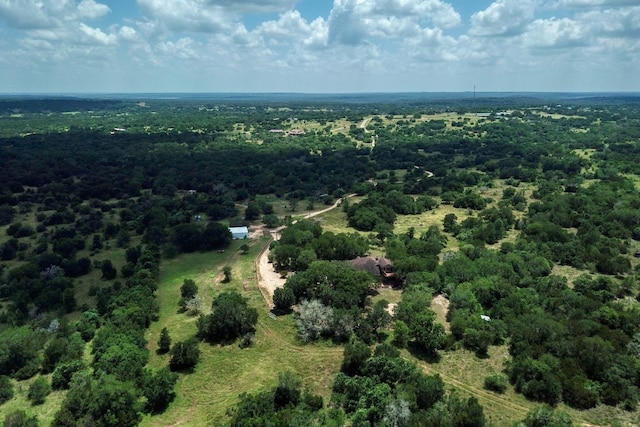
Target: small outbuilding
x=239, y=233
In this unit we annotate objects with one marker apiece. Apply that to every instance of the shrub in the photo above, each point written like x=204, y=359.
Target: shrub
x=185, y=355
x=496, y=382
x=61, y=377
x=38, y=391
x=314, y=320
x=20, y=418
x=164, y=342
x=247, y=340
x=6, y=389
x=283, y=299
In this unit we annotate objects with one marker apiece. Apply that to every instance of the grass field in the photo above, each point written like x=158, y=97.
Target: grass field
x=224, y=372
x=19, y=402
x=204, y=396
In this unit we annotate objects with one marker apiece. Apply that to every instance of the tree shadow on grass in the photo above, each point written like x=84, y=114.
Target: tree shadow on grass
x=420, y=353
x=482, y=355
x=281, y=312
x=189, y=370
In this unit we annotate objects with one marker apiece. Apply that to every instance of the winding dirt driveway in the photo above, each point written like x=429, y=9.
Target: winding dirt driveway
x=268, y=279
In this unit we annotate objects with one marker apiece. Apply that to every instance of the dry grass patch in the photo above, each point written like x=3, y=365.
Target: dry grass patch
x=571, y=273
x=440, y=306
x=335, y=220
x=461, y=370
x=393, y=295
x=421, y=222
x=584, y=153
x=556, y=115
x=603, y=415
x=633, y=178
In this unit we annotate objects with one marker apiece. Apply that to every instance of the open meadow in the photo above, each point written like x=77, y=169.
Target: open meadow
x=204, y=396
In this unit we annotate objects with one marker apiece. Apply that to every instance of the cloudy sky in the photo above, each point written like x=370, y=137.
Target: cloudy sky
x=320, y=46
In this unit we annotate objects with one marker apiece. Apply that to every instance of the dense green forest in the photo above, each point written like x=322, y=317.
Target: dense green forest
x=523, y=213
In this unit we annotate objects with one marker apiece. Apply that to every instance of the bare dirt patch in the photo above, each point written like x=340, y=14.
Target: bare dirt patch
x=440, y=305
x=391, y=308
x=268, y=278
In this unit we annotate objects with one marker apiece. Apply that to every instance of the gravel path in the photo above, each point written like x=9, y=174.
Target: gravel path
x=268, y=279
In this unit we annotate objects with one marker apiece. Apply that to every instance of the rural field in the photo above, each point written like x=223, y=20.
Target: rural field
x=224, y=372
x=504, y=238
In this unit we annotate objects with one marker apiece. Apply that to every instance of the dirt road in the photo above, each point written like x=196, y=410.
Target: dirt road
x=268, y=279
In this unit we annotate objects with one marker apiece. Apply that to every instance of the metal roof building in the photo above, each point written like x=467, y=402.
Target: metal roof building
x=238, y=233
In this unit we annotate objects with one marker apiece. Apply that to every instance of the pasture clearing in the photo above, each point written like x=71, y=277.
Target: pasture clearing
x=204, y=396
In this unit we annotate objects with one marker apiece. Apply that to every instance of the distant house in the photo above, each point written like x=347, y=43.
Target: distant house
x=377, y=266
x=239, y=233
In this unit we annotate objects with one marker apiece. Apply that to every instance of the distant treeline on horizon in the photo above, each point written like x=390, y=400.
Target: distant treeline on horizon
x=35, y=102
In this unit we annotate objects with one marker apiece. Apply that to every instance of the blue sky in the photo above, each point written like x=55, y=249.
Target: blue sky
x=319, y=46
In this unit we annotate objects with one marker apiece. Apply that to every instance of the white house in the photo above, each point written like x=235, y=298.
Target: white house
x=238, y=233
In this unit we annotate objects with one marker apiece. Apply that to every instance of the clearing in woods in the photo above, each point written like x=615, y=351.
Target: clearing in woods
x=203, y=397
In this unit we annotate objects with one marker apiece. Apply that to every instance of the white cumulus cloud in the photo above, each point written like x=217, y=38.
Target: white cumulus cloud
x=43, y=14
x=33, y=14
x=621, y=22
x=591, y=3
x=97, y=35
x=184, y=48
x=89, y=9
x=290, y=24
x=353, y=22
x=559, y=33
x=127, y=33
x=197, y=16
x=503, y=18
x=254, y=6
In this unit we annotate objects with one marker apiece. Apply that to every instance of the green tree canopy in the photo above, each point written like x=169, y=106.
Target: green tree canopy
x=231, y=317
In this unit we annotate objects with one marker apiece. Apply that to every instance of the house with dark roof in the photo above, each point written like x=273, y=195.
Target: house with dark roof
x=377, y=266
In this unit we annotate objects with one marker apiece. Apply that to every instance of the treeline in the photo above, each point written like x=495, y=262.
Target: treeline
x=119, y=166
x=117, y=379
x=18, y=105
